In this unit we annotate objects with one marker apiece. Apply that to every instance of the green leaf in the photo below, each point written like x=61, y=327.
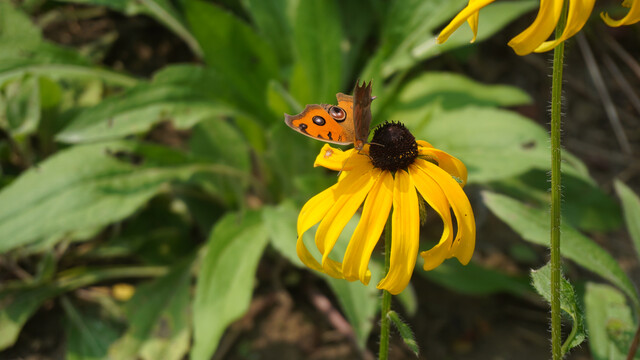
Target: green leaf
x=16, y=27
x=451, y=91
x=405, y=332
x=492, y=143
x=87, y=186
x=219, y=141
x=475, y=280
x=274, y=25
x=631, y=207
x=158, y=314
x=225, y=281
x=608, y=316
x=585, y=206
x=318, y=71
x=23, y=106
x=568, y=303
x=533, y=225
x=138, y=109
x=16, y=307
x=87, y=336
x=280, y=224
x=244, y=60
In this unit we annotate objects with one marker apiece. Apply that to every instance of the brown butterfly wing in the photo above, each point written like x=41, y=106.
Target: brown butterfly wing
x=316, y=121
x=361, y=113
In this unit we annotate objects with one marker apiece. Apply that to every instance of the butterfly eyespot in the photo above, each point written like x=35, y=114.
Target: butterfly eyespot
x=302, y=127
x=337, y=113
x=319, y=120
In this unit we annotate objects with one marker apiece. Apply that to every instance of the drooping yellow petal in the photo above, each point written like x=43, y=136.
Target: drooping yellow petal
x=467, y=13
x=405, y=223
x=374, y=217
x=465, y=239
x=351, y=192
x=473, y=24
x=447, y=162
x=632, y=17
x=432, y=193
x=541, y=28
x=579, y=11
x=423, y=144
x=312, y=212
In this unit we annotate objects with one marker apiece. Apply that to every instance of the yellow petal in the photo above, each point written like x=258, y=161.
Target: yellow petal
x=312, y=212
x=465, y=240
x=338, y=160
x=432, y=193
x=473, y=24
x=374, y=217
x=541, y=28
x=468, y=12
x=579, y=11
x=405, y=223
x=632, y=17
x=351, y=192
x=423, y=144
x=447, y=162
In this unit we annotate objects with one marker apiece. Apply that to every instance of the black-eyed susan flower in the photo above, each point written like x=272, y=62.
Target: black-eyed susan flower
x=389, y=177
x=535, y=37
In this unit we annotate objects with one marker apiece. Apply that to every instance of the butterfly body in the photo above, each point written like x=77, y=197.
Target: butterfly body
x=342, y=124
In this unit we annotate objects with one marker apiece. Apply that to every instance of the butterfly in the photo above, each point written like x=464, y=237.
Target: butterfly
x=342, y=124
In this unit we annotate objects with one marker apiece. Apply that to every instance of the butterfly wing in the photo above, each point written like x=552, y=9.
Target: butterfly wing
x=361, y=113
x=328, y=123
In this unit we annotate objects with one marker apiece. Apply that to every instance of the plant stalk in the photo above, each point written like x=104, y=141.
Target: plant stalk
x=385, y=306
x=556, y=196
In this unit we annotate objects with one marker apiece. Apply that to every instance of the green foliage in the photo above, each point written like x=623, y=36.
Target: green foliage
x=568, y=303
x=191, y=174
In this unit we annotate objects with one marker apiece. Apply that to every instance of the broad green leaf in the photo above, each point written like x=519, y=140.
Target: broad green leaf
x=607, y=315
x=158, y=316
x=492, y=19
x=225, y=281
x=219, y=141
x=16, y=27
x=451, y=91
x=585, y=206
x=88, y=186
x=232, y=48
x=274, y=24
x=138, y=109
x=475, y=280
x=568, y=303
x=88, y=336
x=631, y=207
x=492, y=143
x=280, y=224
x=319, y=66
x=533, y=225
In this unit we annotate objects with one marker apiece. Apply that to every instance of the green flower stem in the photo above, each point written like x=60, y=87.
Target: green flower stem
x=385, y=307
x=556, y=158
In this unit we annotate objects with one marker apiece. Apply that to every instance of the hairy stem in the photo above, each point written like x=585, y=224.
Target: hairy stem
x=385, y=307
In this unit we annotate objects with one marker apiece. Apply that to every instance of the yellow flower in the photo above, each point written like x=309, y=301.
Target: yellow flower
x=383, y=179
x=534, y=38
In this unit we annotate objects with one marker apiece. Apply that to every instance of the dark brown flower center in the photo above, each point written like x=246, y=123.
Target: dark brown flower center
x=393, y=147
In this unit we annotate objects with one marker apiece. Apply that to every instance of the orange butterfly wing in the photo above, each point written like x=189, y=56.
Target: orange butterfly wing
x=328, y=123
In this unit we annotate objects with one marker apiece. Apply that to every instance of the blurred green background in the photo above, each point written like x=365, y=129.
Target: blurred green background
x=149, y=187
